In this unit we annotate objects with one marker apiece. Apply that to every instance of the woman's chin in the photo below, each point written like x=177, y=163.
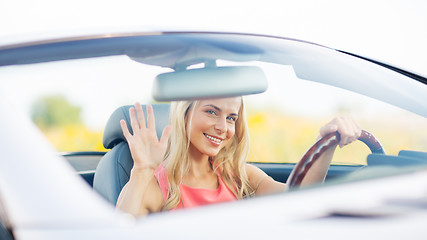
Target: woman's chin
x=211, y=153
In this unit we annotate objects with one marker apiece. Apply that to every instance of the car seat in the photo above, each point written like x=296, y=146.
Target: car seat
x=113, y=170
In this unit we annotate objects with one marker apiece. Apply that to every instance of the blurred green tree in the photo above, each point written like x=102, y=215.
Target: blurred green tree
x=54, y=111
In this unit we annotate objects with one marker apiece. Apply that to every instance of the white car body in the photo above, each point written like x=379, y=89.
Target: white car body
x=33, y=206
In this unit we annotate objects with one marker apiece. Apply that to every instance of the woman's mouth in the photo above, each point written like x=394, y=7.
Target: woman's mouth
x=213, y=139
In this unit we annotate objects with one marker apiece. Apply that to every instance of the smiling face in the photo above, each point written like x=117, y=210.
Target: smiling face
x=213, y=125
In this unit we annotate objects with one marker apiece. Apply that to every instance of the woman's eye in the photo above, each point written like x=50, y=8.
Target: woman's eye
x=231, y=118
x=211, y=112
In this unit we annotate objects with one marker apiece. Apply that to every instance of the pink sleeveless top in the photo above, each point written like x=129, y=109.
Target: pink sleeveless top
x=192, y=197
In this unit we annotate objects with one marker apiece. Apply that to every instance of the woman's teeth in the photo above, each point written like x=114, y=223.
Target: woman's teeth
x=213, y=138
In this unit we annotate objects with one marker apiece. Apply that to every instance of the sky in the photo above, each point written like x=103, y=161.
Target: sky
x=389, y=30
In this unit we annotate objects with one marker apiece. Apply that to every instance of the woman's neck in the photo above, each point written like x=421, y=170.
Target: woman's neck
x=201, y=174
x=200, y=164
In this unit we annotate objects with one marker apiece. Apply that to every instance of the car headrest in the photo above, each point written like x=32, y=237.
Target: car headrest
x=113, y=134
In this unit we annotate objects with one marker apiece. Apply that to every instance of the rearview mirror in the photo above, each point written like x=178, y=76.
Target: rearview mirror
x=209, y=83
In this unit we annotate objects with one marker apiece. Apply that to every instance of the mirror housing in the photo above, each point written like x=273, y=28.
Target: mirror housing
x=209, y=82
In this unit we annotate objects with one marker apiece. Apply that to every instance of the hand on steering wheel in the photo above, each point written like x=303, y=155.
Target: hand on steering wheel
x=323, y=144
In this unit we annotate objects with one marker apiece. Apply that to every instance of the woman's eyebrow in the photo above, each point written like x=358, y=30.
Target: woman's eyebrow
x=211, y=105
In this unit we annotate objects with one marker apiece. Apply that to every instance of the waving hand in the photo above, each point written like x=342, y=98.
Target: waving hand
x=146, y=150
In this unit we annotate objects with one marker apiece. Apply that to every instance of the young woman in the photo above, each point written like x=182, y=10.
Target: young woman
x=201, y=157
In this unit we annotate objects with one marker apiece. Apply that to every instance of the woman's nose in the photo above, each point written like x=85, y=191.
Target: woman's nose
x=221, y=125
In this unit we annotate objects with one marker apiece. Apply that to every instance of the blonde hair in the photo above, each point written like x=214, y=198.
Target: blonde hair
x=230, y=163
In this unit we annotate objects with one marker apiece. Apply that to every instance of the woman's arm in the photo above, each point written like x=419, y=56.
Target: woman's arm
x=349, y=131
x=261, y=182
x=141, y=195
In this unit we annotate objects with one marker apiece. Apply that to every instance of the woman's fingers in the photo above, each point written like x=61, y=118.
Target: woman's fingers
x=125, y=129
x=328, y=128
x=348, y=129
x=140, y=115
x=142, y=124
x=165, y=135
x=137, y=122
x=151, y=121
x=357, y=129
x=133, y=121
x=137, y=118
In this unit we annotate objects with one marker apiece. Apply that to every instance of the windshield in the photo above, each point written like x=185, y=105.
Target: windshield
x=71, y=101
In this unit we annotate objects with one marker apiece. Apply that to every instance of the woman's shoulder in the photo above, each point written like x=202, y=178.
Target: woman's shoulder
x=261, y=182
x=161, y=175
x=254, y=174
x=253, y=170
x=160, y=169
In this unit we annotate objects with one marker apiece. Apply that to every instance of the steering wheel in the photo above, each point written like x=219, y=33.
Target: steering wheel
x=323, y=144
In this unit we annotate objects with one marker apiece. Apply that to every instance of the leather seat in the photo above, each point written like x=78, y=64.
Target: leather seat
x=113, y=170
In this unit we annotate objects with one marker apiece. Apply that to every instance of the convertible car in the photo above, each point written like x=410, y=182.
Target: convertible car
x=64, y=159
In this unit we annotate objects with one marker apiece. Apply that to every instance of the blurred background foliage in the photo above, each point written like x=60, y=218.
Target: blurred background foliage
x=276, y=136
x=55, y=110
x=281, y=137
x=62, y=124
